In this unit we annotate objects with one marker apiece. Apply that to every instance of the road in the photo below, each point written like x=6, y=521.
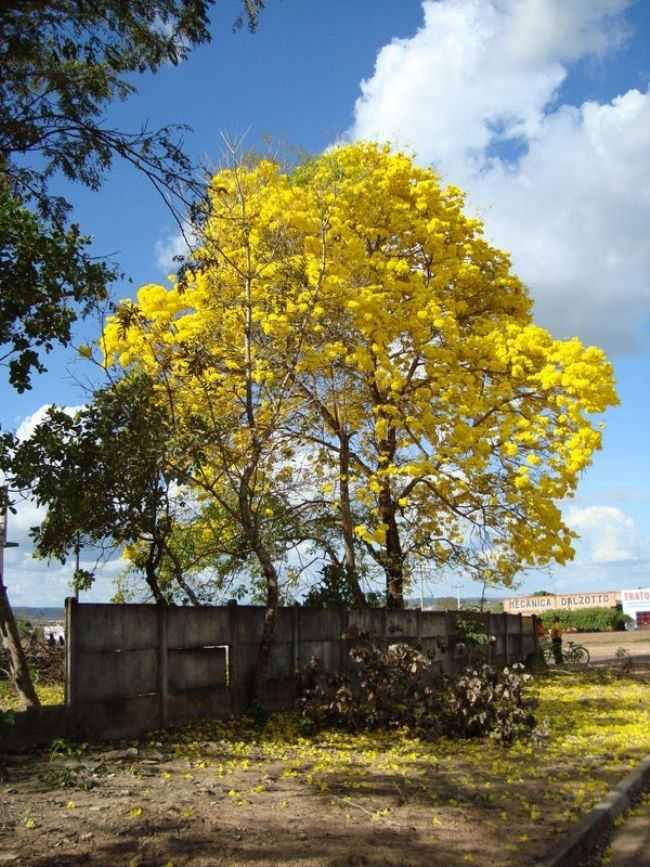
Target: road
x=630, y=844
x=602, y=646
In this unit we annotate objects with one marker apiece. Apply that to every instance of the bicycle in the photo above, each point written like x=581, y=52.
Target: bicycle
x=573, y=654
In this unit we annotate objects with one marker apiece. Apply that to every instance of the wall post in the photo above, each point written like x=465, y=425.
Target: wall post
x=450, y=638
x=506, y=640
x=295, y=636
x=163, y=666
x=491, y=644
x=71, y=696
x=233, y=658
x=295, y=646
x=343, y=641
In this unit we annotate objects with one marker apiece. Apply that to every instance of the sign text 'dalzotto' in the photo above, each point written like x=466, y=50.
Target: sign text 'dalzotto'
x=539, y=604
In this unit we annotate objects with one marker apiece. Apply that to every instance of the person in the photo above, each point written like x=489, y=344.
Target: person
x=556, y=640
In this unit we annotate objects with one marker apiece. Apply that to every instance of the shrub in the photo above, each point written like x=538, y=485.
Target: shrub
x=473, y=629
x=587, y=619
x=391, y=688
x=486, y=701
x=399, y=687
x=334, y=591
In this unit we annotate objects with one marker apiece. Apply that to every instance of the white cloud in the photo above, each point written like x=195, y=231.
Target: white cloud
x=574, y=208
x=607, y=534
x=29, y=424
x=176, y=244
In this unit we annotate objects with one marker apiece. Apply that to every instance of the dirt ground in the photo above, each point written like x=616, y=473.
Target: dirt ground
x=153, y=809
x=225, y=794
x=228, y=794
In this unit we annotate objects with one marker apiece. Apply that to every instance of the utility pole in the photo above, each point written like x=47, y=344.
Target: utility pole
x=457, y=587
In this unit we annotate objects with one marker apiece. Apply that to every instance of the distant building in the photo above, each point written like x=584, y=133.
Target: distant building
x=636, y=603
x=55, y=629
x=564, y=602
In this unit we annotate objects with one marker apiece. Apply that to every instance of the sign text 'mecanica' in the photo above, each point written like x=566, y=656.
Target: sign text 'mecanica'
x=536, y=604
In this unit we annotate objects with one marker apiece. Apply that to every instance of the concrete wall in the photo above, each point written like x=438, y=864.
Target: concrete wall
x=133, y=668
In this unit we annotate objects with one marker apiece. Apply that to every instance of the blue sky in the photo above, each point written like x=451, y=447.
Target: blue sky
x=538, y=108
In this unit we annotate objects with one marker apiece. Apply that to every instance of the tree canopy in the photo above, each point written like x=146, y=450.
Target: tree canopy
x=349, y=345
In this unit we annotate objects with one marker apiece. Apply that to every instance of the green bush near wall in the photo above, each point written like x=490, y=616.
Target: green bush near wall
x=587, y=619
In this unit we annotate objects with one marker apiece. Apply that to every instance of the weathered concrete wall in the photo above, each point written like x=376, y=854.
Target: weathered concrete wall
x=32, y=728
x=132, y=668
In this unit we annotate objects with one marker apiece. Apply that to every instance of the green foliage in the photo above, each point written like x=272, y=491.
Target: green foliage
x=334, y=591
x=472, y=629
x=399, y=687
x=46, y=279
x=62, y=748
x=63, y=63
x=100, y=474
x=587, y=619
x=27, y=630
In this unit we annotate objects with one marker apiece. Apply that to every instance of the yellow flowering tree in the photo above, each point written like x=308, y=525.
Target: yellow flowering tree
x=348, y=345
x=453, y=422
x=204, y=345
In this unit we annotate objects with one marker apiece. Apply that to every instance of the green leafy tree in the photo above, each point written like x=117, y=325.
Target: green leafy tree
x=334, y=591
x=46, y=277
x=104, y=477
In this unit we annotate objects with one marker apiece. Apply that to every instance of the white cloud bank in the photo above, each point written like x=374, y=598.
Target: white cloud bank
x=607, y=534
x=177, y=244
x=482, y=77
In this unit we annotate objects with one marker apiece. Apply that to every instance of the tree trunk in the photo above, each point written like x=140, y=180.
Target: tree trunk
x=265, y=649
x=180, y=580
x=347, y=523
x=394, y=557
x=20, y=674
x=393, y=554
x=151, y=571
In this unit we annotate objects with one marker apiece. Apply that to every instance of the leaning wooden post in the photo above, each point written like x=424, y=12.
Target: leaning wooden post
x=163, y=666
